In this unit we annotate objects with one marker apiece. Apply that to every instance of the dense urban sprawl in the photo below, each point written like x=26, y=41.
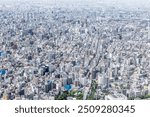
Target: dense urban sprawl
x=78, y=53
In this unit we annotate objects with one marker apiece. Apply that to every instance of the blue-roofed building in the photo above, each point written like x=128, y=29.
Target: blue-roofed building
x=3, y=72
x=67, y=87
x=2, y=54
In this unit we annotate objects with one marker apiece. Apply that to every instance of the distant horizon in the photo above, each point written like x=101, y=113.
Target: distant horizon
x=115, y=3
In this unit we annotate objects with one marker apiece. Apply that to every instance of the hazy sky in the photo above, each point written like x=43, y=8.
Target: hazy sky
x=120, y=3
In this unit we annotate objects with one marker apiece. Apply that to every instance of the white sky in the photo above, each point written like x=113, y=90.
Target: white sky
x=121, y=3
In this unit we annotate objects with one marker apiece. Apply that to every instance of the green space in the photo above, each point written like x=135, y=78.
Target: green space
x=75, y=94
x=145, y=97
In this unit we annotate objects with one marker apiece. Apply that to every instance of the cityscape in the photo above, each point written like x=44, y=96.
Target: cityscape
x=55, y=51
